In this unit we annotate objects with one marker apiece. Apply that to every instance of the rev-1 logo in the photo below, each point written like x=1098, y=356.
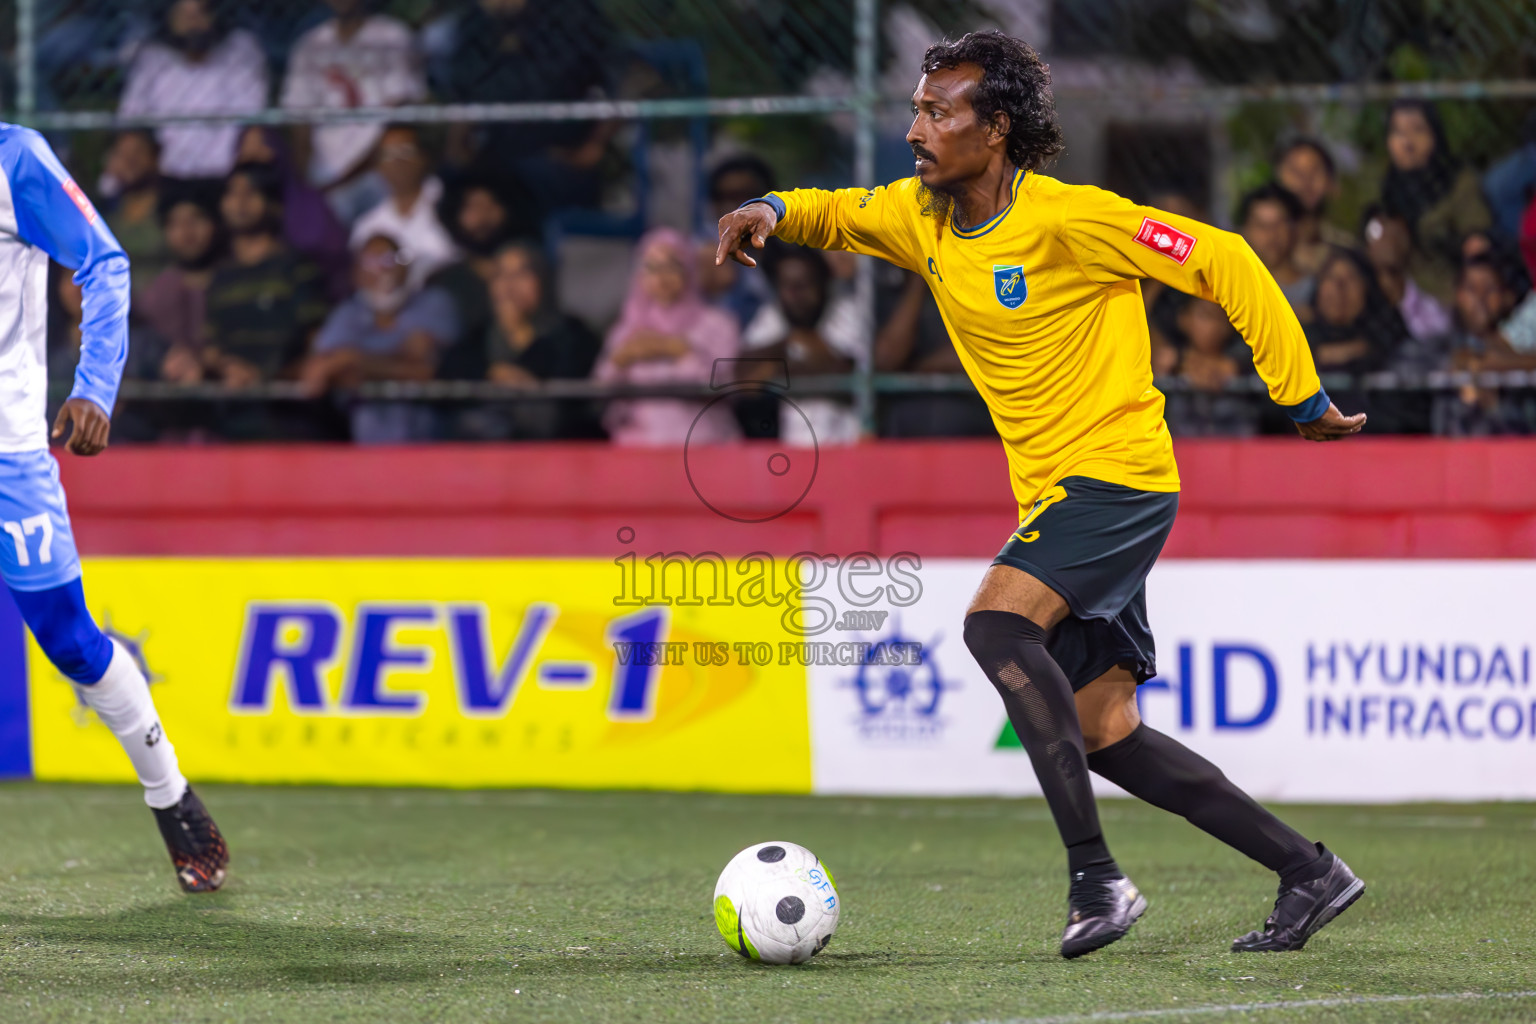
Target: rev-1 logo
x=900, y=703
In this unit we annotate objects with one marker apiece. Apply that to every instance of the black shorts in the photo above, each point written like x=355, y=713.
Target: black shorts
x=1094, y=543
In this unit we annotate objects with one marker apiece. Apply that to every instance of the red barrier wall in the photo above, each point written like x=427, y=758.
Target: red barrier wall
x=1370, y=498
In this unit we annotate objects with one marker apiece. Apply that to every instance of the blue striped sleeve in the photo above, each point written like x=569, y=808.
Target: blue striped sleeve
x=53, y=214
x=1311, y=409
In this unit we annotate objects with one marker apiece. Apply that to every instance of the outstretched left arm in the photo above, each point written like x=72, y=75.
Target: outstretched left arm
x=1113, y=240
x=53, y=213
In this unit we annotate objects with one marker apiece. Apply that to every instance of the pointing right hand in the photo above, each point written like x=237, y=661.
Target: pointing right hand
x=752, y=223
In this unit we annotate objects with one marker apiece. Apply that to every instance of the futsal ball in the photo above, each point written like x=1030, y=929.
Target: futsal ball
x=775, y=902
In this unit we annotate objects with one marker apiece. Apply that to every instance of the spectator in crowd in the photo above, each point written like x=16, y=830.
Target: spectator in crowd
x=81, y=43
x=1305, y=168
x=478, y=217
x=354, y=59
x=1513, y=347
x=408, y=216
x=1484, y=302
x=667, y=333
x=388, y=330
x=1211, y=356
x=1269, y=218
x=1527, y=239
x=913, y=339
x=173, y=304
x=1434, y=192
x=1389, y=247
x=1355, y=328
x=196, y=65
x=530, y=341
x=310, y=226
x=733, y=181
x=1509, y=183
x=527, y=51
x=131, y=182
x=814, y=334
x=266, y=301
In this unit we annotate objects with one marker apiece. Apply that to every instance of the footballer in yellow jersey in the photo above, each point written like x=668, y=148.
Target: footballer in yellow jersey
x=1038, y=282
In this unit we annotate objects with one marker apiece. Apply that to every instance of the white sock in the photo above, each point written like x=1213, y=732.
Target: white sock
x=121, y=700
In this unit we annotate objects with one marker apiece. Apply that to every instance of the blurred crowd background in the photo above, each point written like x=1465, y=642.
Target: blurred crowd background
x=391, y=224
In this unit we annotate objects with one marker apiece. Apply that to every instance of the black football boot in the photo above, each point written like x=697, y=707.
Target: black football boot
x=1302, y=909
x=197, y=848
x=1099, y=912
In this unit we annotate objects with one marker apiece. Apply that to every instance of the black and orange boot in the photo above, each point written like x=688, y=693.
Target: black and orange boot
x=197, y=848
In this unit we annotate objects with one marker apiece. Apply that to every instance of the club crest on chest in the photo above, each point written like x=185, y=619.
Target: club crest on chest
x=1009, y=284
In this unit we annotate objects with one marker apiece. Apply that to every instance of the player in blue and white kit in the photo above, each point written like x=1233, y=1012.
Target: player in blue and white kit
x=44, y=213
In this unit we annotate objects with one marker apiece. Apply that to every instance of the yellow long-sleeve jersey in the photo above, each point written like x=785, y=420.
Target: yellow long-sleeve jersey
x=1043, y=304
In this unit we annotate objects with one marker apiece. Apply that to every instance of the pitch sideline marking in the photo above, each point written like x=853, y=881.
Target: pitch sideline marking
x=1284, y=1004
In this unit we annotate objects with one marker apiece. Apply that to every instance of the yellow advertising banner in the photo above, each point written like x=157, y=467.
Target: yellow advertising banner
x=518, y=672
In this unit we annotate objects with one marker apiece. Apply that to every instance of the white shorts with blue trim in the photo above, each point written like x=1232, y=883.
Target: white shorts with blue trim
x=37, y=545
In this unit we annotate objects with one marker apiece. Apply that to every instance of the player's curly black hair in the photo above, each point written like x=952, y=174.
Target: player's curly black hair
x=1015, y=81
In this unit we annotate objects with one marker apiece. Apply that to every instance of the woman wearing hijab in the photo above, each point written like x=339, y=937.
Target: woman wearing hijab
x=1435, y=193
x=667, y=334
x=1356, y=329
x=310, y=226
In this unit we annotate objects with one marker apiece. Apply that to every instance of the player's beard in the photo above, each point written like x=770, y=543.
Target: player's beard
x=938, y=202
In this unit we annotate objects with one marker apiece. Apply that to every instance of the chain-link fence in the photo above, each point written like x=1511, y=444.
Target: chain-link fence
x=600, y=119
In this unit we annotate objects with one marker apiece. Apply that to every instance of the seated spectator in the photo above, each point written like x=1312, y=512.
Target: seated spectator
x=1268, y=218
x=530, y=341
x=1389, y=246
x=813, y=333
x=266, y=301
x=173, y=304
x=1509, y=183
x=1484, y=302
x=733, y=181
x=1434, y=192
x=1513, y=347
x=478, y=218
x=518, y=51
x=81, y=49
x=354, y=59
x=913, y=339
x=1305, y=168
x=1355, y=328
x=1211, y=356
x=309, y=226
x=387, y=330
x=131, y=183
x=667, y=334
x=196, y=65
x=1527, y=239
x=408, y=217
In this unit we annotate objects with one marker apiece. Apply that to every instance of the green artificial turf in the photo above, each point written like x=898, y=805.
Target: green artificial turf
x=422, y=905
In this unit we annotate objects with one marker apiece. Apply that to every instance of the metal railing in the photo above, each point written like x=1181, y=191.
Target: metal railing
x=827, y=385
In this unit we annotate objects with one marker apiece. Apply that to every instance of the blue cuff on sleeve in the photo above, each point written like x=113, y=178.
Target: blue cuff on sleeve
x=1309, y=410
x=774, y=203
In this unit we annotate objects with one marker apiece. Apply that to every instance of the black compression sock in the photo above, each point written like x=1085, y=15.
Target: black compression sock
x=1038, y=698
x=1165, y=773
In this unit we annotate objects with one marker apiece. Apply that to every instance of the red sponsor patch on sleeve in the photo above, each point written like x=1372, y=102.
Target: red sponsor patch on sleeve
x=1168, y=240
x=78, y=195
